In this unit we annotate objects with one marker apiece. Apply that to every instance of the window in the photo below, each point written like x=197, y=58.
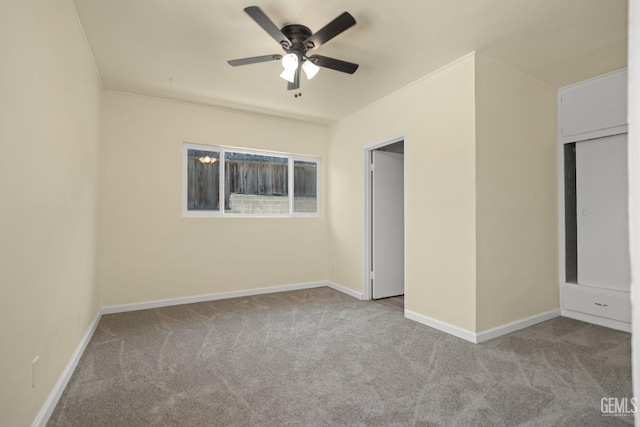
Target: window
x=203, y=180
x=256, y=184
x=230, y=182
x=305, y=186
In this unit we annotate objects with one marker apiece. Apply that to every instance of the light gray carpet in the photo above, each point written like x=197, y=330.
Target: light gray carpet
x=318, y=357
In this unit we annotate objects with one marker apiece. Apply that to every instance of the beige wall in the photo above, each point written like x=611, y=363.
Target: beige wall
x=148, y=251
x=49, y=112
x=481, y=193
x=516, y=186
x=436, y=115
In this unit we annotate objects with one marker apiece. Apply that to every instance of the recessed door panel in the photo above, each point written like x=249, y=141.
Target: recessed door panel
x=602, y=213
x=388, y=224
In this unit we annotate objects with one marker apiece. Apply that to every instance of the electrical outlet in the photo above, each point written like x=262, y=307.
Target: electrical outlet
x=35, y=371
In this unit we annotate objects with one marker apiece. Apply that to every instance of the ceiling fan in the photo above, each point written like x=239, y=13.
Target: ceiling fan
x=296, y=40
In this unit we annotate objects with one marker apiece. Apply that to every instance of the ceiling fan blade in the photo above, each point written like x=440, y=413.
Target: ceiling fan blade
x=296, y=81
x=332, y=29
x=334, y=64
x=253, y=60
x=263, y=20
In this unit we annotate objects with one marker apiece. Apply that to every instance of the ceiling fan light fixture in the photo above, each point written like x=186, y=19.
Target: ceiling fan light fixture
x=310, y=69
x=290, y=64
x=207, y=160
x=289, y=75
x=290, y=61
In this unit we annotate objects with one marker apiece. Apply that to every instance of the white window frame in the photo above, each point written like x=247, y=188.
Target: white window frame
x=222, y=150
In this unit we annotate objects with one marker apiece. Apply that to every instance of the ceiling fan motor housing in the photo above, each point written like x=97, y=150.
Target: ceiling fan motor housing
x=297, y=34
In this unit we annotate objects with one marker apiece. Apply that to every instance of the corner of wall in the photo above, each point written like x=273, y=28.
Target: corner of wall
x=516, y=200
x=50, y=116
x=437, y=116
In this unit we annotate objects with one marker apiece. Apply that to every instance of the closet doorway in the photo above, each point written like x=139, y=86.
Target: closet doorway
x=385, y=211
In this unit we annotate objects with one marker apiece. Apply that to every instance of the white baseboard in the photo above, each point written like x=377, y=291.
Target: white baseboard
x=52, y=400
x=344, y=290
x=208, y=297
x=496, y=332
x=601, y=321
x=441, y=326
x=483, y=336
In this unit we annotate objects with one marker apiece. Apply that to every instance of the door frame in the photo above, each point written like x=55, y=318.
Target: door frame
x=367, y=287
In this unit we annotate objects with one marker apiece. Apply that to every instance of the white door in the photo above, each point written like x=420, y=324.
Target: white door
x=388, y=224
x=602, y=213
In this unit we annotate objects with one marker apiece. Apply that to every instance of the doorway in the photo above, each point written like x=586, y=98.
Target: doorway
x=384, y=212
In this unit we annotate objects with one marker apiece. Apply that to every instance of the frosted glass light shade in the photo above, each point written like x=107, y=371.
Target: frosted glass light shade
x=290, y=64
x=310, y=69
x=290, y=61
x=289, y=75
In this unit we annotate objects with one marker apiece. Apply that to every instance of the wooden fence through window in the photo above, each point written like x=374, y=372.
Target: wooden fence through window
x=246, y=177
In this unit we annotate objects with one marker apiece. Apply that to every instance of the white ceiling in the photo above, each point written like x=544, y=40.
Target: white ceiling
x=177, y=49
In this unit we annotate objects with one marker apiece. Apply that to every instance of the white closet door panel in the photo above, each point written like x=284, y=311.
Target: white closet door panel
x=388, y=224
x=602, y=203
